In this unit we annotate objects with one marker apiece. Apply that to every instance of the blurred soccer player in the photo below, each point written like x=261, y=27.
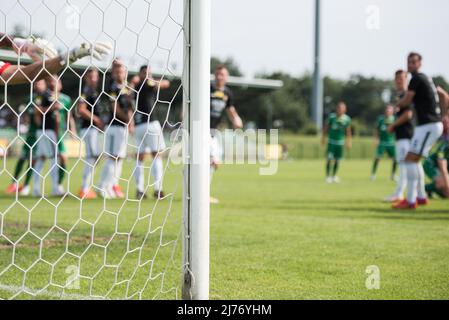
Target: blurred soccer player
x=90, y=124
x=436, y=167
x=337, y=131
x=424, y=96
x=403, y=130
x=116, y=135
x=39, y=87
x=67, y=122
x=148, y=131
x=221, y=100
x=385, y=141
x=47, y=119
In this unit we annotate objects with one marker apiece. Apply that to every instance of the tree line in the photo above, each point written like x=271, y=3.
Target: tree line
x=288, y=108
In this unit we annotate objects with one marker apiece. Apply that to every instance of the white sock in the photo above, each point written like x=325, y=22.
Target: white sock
x=402, y=181
x=107, y=174
x=87, y=174
x=157, y=169
x=118, y=167
x=421, y=182
x=37, y=177
x=54, y=173
x=138, y=174
x=412, y=181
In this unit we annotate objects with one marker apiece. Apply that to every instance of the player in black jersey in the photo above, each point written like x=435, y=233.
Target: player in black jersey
x=423, y=94
x=403, y=130
x=148, y=131
x=47, y=121
x=90, y=124
x=221, y=101
x=116, y=133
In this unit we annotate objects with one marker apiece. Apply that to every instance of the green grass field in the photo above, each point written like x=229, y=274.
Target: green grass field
x=287, y=236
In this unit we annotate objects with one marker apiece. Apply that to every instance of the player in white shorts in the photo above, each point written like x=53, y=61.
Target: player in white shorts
x=91, y=124
x=47, y=120
x=424, y=96
x=403, y=130
x=221, y=99
x=116, y=134
x=148, y=132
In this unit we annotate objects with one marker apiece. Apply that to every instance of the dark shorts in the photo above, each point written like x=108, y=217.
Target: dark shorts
x=335, y=151
x=382, y=149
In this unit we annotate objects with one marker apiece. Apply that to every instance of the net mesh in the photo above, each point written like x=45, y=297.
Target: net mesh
x=68, y=246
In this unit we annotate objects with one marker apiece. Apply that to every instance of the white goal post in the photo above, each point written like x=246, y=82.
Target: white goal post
x=197, y=111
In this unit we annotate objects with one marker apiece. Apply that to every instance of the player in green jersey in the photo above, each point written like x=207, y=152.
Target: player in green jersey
x=39, y=88
x=338, y=132
x=385, y=141
x=436, y=167
x=67, y=123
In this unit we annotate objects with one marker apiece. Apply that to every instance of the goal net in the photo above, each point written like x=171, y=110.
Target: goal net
x=98, y=200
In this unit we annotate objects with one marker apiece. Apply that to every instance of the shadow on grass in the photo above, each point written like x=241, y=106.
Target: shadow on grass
x=369, y=210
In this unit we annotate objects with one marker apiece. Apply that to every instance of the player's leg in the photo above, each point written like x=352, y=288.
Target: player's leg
x=40, y=154
x=142, y=149
x=62, y=162
x=422, y=195
x=105, y=183
x=338, y=155
x=424, y=138
x=432, y=172
x=329, y=162
x=31, y=142
x=214, y=161
x=402, y=148
x=379, y=153
x=391, y=151
x=156, y=145
x=119, y=152
x=24, y=157
x=90, y=138
x=53, y=156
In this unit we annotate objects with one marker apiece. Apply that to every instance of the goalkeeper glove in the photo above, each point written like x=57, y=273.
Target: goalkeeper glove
x=97, y=50
x=35, y=47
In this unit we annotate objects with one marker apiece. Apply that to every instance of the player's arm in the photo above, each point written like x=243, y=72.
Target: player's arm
x=87, y=115
x=37, y=116
x=444, y=100
x=234, y=117
x=349, y=137
x=324, y=136
x=57, y=118
x=164, y=84
x=131, y=126
x=14, y=75
x=72, y=123
x=404, y=118
x=407, y=99
x=376, y=136
x=119, y=112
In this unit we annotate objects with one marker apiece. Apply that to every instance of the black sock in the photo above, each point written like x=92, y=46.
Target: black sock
x=375, y=165
x=61, y=172
x=19, y=167
x=328, y=168
x=335, y=168
x=393, y=170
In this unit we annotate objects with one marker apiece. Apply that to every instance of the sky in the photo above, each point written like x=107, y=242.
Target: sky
x=369, y=37
x=268, y=35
